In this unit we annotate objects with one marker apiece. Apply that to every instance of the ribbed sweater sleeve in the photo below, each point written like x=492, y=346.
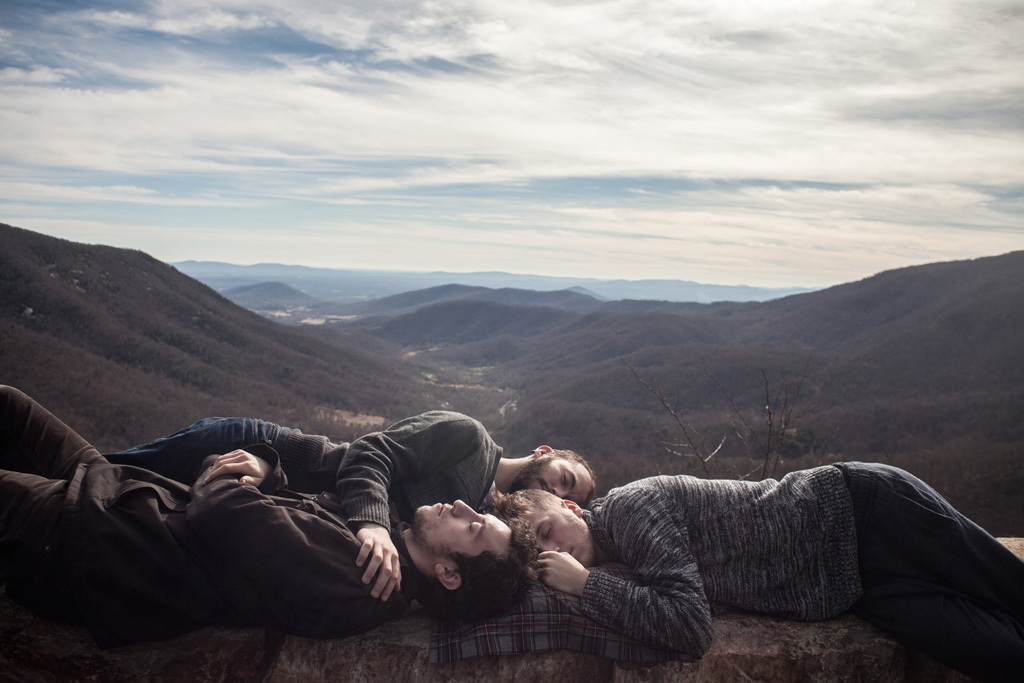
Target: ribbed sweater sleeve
x=786, y=548
x=665, y=605
x=301, y=456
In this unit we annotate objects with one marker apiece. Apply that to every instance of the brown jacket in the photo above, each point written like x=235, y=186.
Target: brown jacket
x=149, y=558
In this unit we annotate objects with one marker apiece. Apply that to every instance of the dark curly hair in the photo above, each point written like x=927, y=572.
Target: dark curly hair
x=491, y=583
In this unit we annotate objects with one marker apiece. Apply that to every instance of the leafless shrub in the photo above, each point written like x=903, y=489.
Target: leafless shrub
x=761, y=439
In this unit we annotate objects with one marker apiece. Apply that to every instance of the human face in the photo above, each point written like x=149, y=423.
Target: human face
x=567, y=480
x=560, y=527
x=448, y=529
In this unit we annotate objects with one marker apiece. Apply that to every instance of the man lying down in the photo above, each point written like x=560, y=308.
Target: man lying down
x=867, y=538
x=135, y=556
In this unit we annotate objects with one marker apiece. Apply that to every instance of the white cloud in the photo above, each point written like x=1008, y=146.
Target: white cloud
x=823, y=122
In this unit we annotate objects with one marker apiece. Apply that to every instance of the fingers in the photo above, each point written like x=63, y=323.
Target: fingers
x=562, y=572
x=550, y=558
x=385, y=565
x=387, y=580
x=364, y=552
x=376, y=558
x=237, y=463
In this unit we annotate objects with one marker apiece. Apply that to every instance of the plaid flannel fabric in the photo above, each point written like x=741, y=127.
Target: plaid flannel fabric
x=545, y=621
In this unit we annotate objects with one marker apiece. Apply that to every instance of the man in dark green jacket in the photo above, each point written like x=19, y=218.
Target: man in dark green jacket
x=136, y=556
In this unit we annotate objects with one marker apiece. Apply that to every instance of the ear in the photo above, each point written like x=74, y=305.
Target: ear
x=448, y=574
x=541, y=450
x=573, y=507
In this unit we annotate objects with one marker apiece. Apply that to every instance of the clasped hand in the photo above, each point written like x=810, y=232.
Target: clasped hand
x=249, y=468
x=563, y=572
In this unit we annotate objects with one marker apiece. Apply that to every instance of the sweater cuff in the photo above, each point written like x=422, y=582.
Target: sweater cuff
x=600, y=589
x=368, y=511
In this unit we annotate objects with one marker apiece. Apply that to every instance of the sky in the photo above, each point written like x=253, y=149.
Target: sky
x=776, y=143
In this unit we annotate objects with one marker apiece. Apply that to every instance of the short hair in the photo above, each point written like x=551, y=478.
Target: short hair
x=526, y=499
x=533, y=467
x=573, y=456
x=491, y=583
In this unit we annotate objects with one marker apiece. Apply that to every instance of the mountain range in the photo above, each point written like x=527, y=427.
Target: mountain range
x=352, y=286
x=919, y=366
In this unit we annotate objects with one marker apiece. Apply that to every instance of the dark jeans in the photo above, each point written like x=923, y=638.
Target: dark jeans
x=39, y=455
x=179, y=455
x=934, y=579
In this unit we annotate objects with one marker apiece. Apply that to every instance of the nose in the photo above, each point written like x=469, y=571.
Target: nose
x=459, y=508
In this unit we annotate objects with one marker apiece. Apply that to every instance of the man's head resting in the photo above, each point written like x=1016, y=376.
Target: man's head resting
x=480, y=564
x=558, y=525
x=562, y=472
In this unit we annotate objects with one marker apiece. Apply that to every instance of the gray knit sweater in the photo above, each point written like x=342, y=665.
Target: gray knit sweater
x=786, y=548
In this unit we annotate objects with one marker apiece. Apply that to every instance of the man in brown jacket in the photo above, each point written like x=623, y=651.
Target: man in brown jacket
x=136, y=556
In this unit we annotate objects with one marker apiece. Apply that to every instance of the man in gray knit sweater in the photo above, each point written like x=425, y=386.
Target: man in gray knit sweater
x=856, y=536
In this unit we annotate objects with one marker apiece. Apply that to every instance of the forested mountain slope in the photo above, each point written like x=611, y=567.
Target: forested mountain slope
x=126, y=348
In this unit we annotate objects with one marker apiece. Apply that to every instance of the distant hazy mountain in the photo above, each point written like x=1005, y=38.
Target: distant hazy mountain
x=347, y=286
x=921, y=363
x=268, y=295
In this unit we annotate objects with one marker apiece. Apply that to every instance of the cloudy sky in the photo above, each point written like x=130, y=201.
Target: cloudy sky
x=772, y=143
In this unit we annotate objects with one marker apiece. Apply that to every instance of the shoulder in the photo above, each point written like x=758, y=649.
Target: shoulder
x=436, y=416
x=630, y=513
x=438, y=420
x=646, y=493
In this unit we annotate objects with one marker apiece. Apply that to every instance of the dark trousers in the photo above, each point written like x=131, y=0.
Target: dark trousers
x=935, y=580
x=179, y=456
x=39, y=455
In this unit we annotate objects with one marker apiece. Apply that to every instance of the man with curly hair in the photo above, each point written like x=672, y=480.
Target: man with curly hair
x=136, y=556
x=436, y=457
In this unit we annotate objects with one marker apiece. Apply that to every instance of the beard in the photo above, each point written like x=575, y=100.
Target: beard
x=423, y=520
x=529, y=473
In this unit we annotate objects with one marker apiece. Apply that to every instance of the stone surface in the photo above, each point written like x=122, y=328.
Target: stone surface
x=32, y=649
x=746, y=648
x=398, y=653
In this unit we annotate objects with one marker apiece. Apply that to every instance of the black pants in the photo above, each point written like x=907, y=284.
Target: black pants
x=933, y=578
x=39, y=455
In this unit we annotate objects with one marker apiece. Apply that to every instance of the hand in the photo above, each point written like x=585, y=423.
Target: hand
x=382, y=554
x=563, y=572
x=247, y=467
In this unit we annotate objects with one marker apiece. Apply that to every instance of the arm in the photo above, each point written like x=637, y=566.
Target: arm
x=665, y=605
x=180, y=456
x=434, y=457
x=283, y=564
x=429, y=453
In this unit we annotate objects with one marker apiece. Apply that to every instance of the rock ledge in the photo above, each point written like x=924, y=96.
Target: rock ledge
x=746, y=648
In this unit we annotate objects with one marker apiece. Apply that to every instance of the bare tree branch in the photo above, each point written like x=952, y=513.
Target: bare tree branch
x=763, y=447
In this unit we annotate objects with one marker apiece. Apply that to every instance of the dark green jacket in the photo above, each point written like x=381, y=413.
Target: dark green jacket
x=149, y=558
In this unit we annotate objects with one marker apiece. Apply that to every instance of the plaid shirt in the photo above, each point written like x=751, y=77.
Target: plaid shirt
x=545, y=621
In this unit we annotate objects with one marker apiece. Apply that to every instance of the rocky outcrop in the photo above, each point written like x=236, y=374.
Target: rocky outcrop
x=746, y=648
